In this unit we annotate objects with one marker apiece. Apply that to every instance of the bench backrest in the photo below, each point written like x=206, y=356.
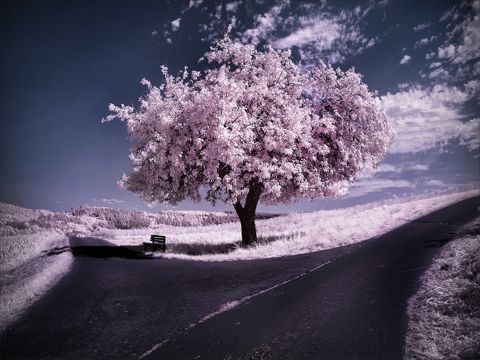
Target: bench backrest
x=157, y=238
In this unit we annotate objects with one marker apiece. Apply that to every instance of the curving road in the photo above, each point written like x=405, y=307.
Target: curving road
x=345, y=303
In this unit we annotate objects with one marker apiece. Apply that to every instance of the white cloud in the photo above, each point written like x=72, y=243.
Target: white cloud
x=439, y=73
x=264, y=24
x=424, y=41
x=194, y=4
x=220, y=14
x=476, y=69
x=367, y=186
x=387, y=168
x=405, y=60
x=154, y=33
x=176, y=24
x=112, y=201
x=469, y=36
x=472, y=87
x=470, y=134
x=403, y=86
x=460, y=47
x=319, y=31
x=420, y=27
x=321, y=34
x=382, y=169
x=435, y=183
x=391, y=169
x=423, y=119
x=418, y=167
x=453, y=13
x=327, y=37
x=167, y=35
x=232, y=6
x=446, y=52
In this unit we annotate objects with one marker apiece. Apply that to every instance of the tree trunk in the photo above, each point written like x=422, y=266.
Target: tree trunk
x=249, y=230
x=246, y=213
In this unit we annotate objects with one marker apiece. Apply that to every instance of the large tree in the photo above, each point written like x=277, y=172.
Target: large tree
x=252, y=127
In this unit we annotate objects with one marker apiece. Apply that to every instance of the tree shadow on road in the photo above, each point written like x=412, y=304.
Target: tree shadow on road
x=100, y=248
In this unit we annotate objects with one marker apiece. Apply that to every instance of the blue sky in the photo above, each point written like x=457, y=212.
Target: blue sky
x=62, y=63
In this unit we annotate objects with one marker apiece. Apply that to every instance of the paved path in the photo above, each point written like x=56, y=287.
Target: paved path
x=347, y=303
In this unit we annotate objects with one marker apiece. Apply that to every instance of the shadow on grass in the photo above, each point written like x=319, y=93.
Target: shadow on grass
x=56, y=250
x=99, y=248
x=196, y=249
x=202, y=248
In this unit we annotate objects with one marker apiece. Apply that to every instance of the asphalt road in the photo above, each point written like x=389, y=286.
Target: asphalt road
x=345, y=303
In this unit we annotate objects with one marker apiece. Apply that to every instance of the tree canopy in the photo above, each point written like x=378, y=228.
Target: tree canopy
x=252, y=127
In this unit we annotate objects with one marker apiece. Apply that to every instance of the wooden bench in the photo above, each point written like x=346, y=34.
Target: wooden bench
x=157, y=241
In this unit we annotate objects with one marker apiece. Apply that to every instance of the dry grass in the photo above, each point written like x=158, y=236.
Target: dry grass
x=27, y=236
x=289, y=234
x=20, y=286
x=445, y=312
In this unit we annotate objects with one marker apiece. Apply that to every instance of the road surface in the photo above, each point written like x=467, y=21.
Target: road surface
x=344, y=303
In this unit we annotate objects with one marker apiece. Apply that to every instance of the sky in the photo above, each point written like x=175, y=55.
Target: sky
x=62, y=63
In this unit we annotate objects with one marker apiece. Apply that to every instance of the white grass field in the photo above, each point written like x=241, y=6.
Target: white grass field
x=27, y=236
x=289, y=234
x=445, y=312
x=26, y=271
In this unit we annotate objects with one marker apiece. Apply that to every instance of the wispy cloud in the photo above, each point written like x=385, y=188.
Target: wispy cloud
x=387, y=168
x=420, y=27
x=465, y=37
x=393, y=171
x=446, y=52
x=459, y=51
x=435, y=183
x=321, y=34
x=439, y=73
x=405, y=60
x=176, y=24
x=424, y=41
x=194, y=4
x=232, y=6
x=112, y=201
x=371, y=185
x=469, y=134
x=319, y=31
x=426, y=118
x=265, y=24
x=418, y=167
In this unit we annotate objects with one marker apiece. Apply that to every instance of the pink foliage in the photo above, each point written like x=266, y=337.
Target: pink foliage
x=253, y=117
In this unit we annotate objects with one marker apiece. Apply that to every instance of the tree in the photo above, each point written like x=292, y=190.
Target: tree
x=252, y=127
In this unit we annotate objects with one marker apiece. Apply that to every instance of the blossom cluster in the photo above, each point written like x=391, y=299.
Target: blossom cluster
x=252, y=117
